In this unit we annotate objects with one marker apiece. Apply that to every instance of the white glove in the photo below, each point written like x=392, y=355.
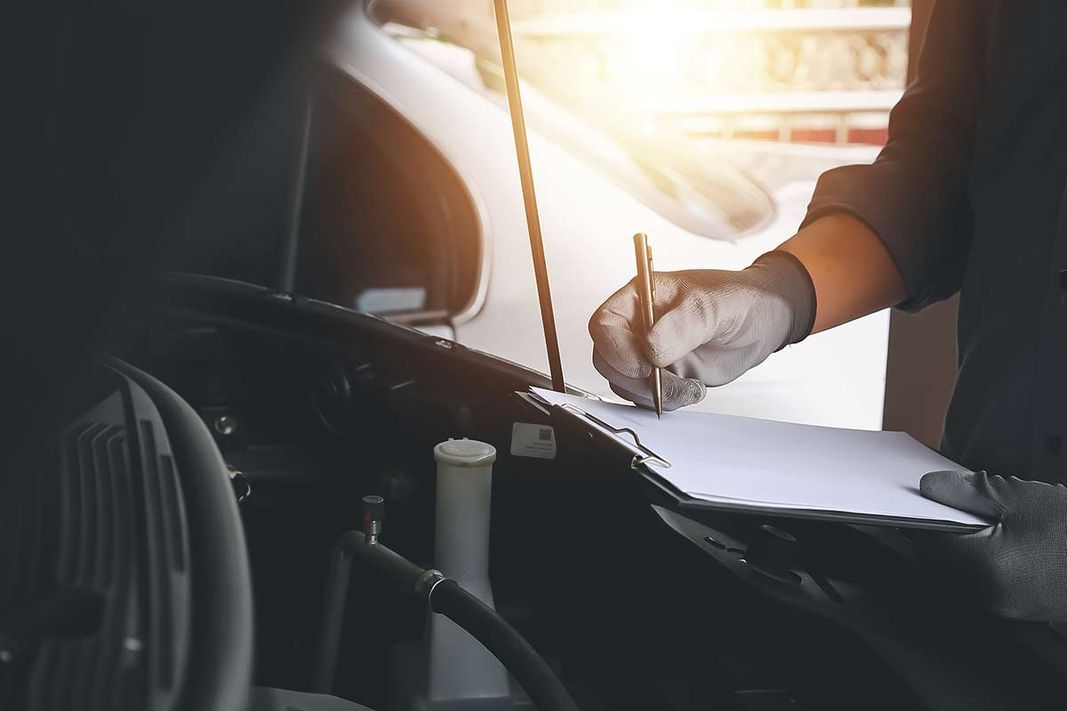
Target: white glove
x=711, y=326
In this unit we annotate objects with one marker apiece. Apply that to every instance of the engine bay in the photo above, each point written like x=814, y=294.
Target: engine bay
x=633, y=604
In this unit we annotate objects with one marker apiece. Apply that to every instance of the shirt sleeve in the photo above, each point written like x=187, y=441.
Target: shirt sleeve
x=914, y=195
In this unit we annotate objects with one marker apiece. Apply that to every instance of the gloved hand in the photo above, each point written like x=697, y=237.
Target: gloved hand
x=711, y=326
x=1018, y=566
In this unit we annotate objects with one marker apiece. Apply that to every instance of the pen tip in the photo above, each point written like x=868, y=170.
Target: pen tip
x=659, y=415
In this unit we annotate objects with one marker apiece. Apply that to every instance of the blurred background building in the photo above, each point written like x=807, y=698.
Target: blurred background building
x=823, y=71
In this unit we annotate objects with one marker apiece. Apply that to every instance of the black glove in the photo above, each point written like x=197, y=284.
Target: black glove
x=1017, y=566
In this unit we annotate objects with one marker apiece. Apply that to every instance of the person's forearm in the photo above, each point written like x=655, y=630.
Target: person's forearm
x=850, y=267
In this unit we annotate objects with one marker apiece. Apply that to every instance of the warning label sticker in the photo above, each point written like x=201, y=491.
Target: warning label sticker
x=530, y=440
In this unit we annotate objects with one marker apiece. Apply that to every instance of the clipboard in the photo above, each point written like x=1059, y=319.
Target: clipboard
x=655, y=469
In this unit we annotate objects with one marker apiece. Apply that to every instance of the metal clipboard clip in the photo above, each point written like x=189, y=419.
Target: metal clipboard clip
x=646, y=455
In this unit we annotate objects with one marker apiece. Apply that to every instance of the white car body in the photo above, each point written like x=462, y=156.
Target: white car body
x=834, y=378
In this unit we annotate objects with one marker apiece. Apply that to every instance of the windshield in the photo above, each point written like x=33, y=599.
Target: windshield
x=664, y=97
x=568, y=100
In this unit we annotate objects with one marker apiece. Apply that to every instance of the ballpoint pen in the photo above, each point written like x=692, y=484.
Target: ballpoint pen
x=646, y=286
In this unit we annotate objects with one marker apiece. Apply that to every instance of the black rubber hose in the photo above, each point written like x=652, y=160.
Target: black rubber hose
x=446, y=598
x=390, y=565
x=352, y=546
x=505, y=643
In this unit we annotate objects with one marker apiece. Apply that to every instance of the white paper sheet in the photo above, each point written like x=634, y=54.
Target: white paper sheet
x=726, y=459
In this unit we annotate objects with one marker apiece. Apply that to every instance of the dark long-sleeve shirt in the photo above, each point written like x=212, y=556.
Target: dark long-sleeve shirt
x=969, y=195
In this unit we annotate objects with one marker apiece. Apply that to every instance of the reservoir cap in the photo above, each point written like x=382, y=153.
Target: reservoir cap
x=465, y=453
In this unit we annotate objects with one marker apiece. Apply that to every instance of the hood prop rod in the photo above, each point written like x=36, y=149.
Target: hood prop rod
x=533, y=221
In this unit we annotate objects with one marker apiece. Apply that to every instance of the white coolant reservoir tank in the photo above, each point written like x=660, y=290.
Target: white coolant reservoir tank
x=460, y=667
